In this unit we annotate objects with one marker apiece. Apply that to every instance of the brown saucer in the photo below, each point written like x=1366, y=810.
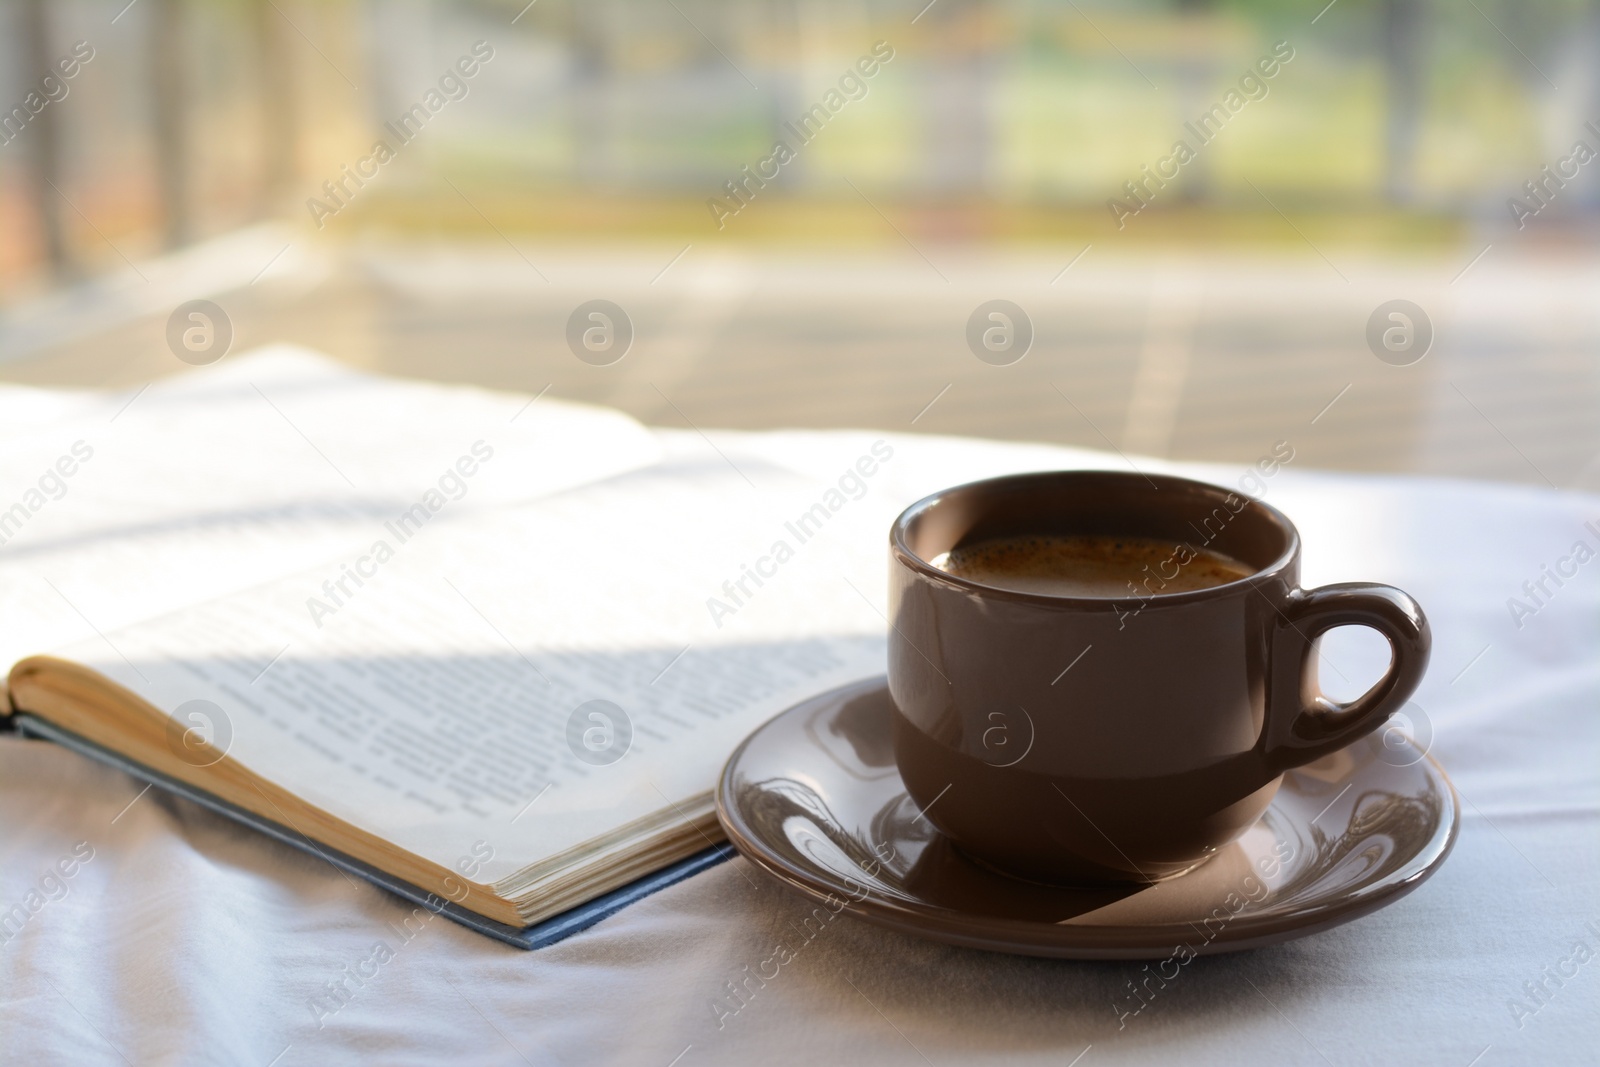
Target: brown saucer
x=814, y=799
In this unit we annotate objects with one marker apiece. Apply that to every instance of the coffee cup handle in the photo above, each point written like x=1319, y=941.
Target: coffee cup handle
x=1303, y=724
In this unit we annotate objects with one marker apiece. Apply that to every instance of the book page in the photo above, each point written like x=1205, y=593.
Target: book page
x=117, y=507
x=535, y=678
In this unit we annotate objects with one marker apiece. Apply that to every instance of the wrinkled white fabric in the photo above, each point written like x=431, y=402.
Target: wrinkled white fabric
x=187, y=940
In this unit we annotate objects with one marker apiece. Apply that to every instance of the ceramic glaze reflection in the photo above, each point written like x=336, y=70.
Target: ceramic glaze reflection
x=812, y=799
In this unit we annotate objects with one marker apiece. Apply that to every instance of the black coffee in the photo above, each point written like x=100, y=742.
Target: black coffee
x=1092, y=565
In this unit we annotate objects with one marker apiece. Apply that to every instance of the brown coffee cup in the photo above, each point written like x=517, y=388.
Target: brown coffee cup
x=1086, y=740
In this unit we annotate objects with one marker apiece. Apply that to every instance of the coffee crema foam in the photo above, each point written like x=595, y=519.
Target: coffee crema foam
x=1091, y=565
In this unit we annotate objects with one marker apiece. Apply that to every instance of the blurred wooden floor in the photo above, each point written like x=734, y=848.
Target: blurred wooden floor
x=1189, y=357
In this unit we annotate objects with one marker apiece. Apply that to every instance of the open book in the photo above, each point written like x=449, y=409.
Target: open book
x=486, y=653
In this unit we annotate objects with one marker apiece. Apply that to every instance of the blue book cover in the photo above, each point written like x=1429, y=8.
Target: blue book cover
x=540, y=934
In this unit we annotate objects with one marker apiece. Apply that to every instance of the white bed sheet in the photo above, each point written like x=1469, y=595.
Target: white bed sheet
x=188, y=940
